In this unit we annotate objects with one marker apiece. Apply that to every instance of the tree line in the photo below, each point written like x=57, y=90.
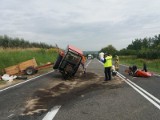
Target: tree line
x=148, y=48
x=8, y=42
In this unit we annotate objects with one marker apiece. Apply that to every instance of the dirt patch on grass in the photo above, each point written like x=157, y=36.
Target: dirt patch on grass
x=61, y=91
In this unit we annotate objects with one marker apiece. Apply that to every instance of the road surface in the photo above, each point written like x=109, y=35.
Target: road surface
x=127, y=101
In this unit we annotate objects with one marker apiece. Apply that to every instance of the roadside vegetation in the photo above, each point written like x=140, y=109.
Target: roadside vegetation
x=16, y=50
x=139, y=51
x=9, y=57
x=8, y=42
x=152, y=65
x=146, y=48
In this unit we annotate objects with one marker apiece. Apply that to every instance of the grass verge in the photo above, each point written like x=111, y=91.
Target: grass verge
x=152, y=65
x=10, y=57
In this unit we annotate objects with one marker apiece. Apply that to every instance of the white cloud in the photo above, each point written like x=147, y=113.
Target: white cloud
x=87, y=24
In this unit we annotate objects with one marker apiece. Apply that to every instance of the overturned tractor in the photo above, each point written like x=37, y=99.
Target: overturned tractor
x=68, y=61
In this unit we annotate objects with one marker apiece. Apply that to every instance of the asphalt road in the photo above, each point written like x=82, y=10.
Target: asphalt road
x=122, y=102
x=12, y=101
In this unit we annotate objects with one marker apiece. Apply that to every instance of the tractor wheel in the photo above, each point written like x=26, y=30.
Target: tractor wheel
x=58, y=61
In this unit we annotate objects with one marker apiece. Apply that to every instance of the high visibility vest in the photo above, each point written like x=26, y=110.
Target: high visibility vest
x=108, y=62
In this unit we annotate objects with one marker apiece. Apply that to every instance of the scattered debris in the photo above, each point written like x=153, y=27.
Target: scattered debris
x=65, y=90
x=135, y=72
x=21, y=77
x=7, y=77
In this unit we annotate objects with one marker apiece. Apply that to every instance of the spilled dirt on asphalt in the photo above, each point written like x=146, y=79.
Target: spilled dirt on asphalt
x=60, y=91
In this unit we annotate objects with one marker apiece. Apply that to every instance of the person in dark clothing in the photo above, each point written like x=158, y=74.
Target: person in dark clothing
x=107, y=66
x=132, y=70
x=144, y=67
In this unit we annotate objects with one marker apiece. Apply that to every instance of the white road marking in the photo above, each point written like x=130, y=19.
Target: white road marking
x=25, y=81
x=88, y=63
x=11, y=115
x=140, y=90
x=144, y=91
x=52, y=113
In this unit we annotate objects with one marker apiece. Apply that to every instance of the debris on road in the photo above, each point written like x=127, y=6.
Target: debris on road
x=61, y=91
x=7, y=77
x=21, y=77
x=135, y=72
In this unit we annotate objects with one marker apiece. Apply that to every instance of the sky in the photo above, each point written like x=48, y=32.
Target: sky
x=87, y=24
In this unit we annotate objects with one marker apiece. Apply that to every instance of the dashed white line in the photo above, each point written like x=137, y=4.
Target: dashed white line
x=88, y=63
x=11, y=115
x=52, y=113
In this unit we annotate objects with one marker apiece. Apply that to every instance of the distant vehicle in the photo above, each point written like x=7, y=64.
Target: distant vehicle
x=68, y=61
x=90, y=56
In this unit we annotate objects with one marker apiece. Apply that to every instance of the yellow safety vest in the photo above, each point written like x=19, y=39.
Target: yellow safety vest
x=108, y=62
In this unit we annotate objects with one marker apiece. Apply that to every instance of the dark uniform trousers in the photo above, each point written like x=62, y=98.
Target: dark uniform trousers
x=107, y=72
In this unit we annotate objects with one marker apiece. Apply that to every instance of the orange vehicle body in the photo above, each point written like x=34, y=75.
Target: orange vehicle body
x=69, y=61
x=140, y=73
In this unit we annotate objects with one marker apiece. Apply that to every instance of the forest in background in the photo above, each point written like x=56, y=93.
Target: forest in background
x=8, y=42
x=147, y=48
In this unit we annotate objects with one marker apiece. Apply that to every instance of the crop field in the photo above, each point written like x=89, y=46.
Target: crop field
x=9, y=57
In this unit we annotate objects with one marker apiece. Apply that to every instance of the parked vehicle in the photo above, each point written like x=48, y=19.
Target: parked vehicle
x=68, y=61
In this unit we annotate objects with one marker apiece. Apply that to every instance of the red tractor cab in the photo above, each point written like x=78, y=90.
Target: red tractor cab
x=68, y=61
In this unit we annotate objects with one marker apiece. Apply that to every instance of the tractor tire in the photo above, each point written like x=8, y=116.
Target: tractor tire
x=58, y=61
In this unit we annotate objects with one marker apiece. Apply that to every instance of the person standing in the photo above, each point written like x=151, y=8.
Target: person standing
x=107, y=66
x=116, y=62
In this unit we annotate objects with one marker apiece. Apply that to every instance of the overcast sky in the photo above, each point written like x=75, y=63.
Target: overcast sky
x=86, y=24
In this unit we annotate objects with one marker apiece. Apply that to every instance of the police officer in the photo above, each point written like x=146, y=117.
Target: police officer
x=107, y=66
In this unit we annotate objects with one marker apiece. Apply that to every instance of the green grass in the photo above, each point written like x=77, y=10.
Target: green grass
x=13, y=57
x=152, y=65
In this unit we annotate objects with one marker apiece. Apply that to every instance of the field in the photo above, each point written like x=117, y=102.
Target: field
x=9, y=57
x=152, y=65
